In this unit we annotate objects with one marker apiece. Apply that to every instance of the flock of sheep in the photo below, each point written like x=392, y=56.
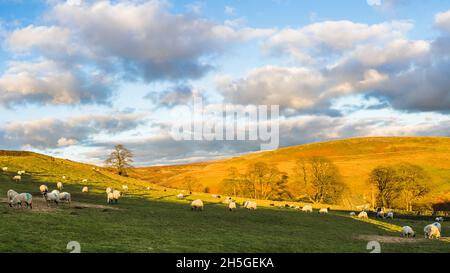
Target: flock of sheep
x=56, y=196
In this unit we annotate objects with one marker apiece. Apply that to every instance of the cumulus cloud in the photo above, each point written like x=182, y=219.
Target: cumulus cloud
x=178, y=95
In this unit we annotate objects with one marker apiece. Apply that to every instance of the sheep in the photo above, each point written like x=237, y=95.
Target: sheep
x=250, y=205
x=17, y=178
x=113, y=196
x=439, y=219
x=232, y=206
x=52, y=197
x=438, y=225
x=197, y=205
x=21, y=172
x=323, y=211
x=65, y=197
x=408, y=232
x=363, y=215
x=431, y=232
x=5, y=169
x=43, y=189
x=85, y=190
x=63, y=177
x=180, y=196
x=59, y=186
x=352, y=213
x=228, y=200
x=11, y=194
x=21, y=199
x=84, y=181
x=108, y=190
x=214, y=195
x=307, y=208
x=125, y=188
x=389, y=215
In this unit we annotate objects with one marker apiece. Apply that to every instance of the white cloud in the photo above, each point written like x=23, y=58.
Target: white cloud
x=66, y=142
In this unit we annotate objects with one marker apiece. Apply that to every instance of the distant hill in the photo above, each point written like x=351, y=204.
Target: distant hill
x=355, y=159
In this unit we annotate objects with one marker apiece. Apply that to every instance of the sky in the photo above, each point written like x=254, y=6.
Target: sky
x=78, y=77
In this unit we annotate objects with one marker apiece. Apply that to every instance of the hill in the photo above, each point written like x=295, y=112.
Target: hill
x=355, y=159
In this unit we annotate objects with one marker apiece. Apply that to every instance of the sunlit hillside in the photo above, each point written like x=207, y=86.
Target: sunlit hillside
x=355, y=158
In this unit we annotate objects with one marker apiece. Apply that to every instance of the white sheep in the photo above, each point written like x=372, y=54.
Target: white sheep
x=307, y=208
x=431, y=232
x=438, y=225
x=390, y=215
x=84, y=181
x=352, y=213
x=85, y=190
x=228, y=200
x=125, y=188
x=5, y=169
x=23, y=198
x=232, y=206
x=108, y=190
x=52, y=197
x=250, y=205
x=65, y=197
x=17, y=178
x=59, y=186
x=11, y=194
x=363, y=215
x=113, y=197
x=43, y=189
x=408, y=232
x=21, y=172
x=323, y=211
x=439, y=219
x=197, y=205
x=180, y=196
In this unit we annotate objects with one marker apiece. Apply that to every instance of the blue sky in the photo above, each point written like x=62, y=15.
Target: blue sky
x=77, y=77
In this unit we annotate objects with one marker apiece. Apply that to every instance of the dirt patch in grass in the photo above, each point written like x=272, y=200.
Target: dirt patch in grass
x=391, y=239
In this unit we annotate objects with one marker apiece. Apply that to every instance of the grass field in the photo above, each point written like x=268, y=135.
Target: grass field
x=155, y=221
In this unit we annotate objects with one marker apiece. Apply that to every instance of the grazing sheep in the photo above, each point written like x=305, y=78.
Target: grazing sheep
x=323, y=211
x=65, y=197
x=438, y=225
x=21, y=172
x=380, y=214
x=43, y=189
x=307, y=208
x=113, y=196
x=11, y=194
x=59, y=186
x=108, y=190
x=408, y=232
x=52, y=197
x=197, y=205
x=390, y=215
x=439, y=219
x=5, y=169
x=85, y=190
x=363, y=215
x=431, y=232
x=125, y=188
x=352, y=213
x=180, y=196
x=250, y=205
x=228, y=200
x=17, y=178
x=23, y=198
x=232, y=206
x=214, y=195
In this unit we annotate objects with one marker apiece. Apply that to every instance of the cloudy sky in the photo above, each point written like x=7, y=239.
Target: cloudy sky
x=78, y=77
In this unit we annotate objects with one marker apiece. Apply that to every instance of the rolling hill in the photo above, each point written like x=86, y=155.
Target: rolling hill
x=355, y=158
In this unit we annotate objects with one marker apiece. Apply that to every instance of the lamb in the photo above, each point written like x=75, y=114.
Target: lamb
x=250, y=205
x=180, y=196
x=390, y=215
x=323, y=211
x=307, y=208
x=408, y=232
x=59, y=186
x=438, y=225
x=431, y=232
x=23, y=198
x=363, y=215
x=85, y=190
x=65, y=197
x=17, y=178
x=52, y=197
x=11, y=194
x=352, y=213
x=232, y=206
x=5, y=169
x=197, y=205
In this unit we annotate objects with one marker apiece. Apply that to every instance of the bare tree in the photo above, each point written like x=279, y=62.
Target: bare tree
x=120, y=159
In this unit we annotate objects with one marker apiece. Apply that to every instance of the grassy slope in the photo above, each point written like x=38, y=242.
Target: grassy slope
x=355, y=158
x=154, y=221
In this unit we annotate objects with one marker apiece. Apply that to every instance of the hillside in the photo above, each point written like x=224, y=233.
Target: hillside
x=355, y=158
